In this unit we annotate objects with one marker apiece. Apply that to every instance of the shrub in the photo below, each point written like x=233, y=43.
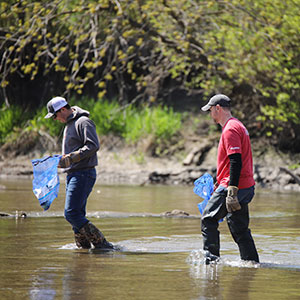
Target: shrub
x=54, y=128
x=130, y=122
x=9, y=118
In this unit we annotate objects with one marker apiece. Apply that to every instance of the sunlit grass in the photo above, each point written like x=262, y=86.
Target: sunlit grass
x=129, y=122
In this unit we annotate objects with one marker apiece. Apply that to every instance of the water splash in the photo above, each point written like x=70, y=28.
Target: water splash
x=70, y=246
x=197, y=258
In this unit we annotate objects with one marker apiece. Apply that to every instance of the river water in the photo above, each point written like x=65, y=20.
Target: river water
x=161, y=258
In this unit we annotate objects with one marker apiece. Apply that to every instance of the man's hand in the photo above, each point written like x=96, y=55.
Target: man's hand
x=68, y=159
x=232, y=202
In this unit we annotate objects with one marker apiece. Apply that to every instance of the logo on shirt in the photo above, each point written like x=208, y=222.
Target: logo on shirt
x=234, y=148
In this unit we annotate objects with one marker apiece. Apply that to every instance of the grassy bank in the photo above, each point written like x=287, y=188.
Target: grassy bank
x=129, y=122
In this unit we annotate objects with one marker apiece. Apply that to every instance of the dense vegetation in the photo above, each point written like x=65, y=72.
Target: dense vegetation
x=157, y=51
x=157, y=124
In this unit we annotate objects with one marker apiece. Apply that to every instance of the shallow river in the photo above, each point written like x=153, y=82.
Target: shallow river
x=162, y=256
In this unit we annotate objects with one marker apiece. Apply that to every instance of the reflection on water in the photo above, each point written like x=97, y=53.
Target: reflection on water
x=161, y=258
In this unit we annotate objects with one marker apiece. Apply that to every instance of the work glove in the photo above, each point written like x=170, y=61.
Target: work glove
x=68, y=159
x=232, y=202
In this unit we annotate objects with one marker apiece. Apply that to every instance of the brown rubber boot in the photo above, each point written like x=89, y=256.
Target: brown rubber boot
x=81, y=241
x=96, y=237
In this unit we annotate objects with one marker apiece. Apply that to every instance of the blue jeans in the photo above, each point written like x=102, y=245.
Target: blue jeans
x=79, y=185
x=238, y=223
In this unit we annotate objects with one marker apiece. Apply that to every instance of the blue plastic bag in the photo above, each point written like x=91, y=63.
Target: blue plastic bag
x=45, y=183
x=204, y=187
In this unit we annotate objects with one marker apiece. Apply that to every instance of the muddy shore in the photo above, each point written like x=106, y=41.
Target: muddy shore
x=129, y=166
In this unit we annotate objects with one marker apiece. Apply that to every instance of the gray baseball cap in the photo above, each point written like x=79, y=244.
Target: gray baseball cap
x=54, y=105
x=220, y=99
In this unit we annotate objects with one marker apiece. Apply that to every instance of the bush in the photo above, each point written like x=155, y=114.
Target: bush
x=9, y=119
x=108, y=117
x=130, y=122
x=54, y=128
x=161, y=122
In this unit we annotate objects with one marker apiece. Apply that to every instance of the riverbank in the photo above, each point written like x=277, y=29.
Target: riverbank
x=133, y=165
x=126, y=166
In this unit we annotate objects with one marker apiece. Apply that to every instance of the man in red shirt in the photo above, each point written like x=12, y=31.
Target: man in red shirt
x=234, y=188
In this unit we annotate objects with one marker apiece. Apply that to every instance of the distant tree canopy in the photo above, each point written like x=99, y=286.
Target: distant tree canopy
x=145, y=50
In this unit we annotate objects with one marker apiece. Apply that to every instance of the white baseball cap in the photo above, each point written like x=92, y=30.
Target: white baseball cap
x=54, y=105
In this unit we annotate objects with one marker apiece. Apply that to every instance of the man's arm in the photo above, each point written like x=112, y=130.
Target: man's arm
x=232, y=202
x=89, y=138
x=235, y=168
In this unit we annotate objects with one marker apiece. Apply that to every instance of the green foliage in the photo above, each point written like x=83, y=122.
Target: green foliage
x=285, y=111
x=218, y=46
x=160, y=122
x=129, y=122
x=133, y=123
x=294, y=166
x=138, y=50
x=38, y=122
x=9, y=119
x=108, y=117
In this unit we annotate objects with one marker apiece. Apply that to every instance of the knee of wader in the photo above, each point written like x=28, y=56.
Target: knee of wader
x=208, y=222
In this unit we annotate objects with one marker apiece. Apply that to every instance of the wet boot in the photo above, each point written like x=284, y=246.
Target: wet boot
x=248, y=251
x=96, y=237
x=210, y=258
x=81, y=241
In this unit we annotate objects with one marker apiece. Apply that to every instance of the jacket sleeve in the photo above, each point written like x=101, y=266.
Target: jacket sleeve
x=90, y=142
x=235, y=168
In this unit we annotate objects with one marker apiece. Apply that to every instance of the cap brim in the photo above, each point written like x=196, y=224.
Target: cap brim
x=206, y=107
x=49, y=115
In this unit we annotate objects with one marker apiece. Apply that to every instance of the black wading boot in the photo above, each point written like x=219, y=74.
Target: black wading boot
x=210, y=258
x=81, y=241
x=96, y=237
